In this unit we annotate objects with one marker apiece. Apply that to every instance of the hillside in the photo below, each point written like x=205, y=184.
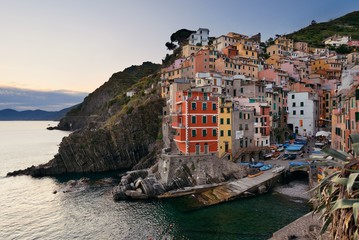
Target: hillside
x=113, y=132
x=11, y=115
x=101, y=104
x=314, y=34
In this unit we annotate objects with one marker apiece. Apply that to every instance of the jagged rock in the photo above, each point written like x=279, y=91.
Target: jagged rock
x=136, y=194
x=182, y=173
x=118, y=147
x=262, y=189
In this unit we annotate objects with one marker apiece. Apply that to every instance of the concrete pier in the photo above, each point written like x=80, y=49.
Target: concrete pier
x=207, y=195
x=237, y=189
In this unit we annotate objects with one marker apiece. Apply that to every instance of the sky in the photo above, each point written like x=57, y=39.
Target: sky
x=78, y=45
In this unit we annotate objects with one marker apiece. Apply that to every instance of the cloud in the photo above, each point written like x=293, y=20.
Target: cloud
x=24, y=99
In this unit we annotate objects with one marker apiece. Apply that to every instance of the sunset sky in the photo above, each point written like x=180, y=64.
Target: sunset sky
x=77, y=45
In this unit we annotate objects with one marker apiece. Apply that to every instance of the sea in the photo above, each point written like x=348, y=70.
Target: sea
x=56, y=208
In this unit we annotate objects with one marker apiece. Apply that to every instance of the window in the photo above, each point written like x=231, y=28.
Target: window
x=301, y=112
x=221, y=121
x=293, y=104
x=293, y=96
x=204, y=132
x=189, y=94
x=246, y=127
x=228, y=121
x=193, y=106
x=240, y=115
x=204, y=106
x=294, y=112
x=204, y=119
x=302, y=104
x=222, y=110
x=193, y=119
x=214, y=132
x=194, y=132
x=229, y=133
x=214, y=119
x=214, y=106
x=357, y=116
x=222, y=133
x=256, y=131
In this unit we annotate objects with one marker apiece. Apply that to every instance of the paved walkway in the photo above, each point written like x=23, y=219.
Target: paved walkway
x=304, y=228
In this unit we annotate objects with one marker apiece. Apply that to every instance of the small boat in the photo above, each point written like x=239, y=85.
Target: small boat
x=255, y=174
x=278, y=169
x=256, y=165
x=265, y=167
x=298, y=164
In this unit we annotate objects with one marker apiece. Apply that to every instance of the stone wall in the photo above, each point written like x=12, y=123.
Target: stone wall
x=203, y=168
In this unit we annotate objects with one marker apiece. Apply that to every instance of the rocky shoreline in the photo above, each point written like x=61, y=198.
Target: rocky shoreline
x=176, y=172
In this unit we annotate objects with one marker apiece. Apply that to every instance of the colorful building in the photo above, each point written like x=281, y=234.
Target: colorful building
x=225, y=111
x=196, y=121
x=200, y=37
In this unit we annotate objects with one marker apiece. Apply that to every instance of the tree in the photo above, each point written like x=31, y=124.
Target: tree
x=181, y=35
x=343, y=49
x=170, y=45
x=313, y=22
x=338, y=193
x=270, y=41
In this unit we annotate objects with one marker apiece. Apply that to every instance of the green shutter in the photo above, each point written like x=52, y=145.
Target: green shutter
x=357, y=116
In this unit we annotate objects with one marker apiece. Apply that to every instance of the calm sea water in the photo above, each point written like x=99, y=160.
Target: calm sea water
x=30, y=210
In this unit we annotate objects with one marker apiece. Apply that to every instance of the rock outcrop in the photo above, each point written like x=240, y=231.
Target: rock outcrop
x=114, y=132
x=174, y=173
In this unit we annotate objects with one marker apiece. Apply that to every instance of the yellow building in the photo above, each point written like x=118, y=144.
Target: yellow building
x=188, y=50
x=327, y=68
x=225, y=128
x=246, y=48
x=287, y=44
x=275, y=50
x=274, y=61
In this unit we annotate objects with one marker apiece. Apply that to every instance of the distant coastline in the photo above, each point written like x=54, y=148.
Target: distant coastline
x=32, y=115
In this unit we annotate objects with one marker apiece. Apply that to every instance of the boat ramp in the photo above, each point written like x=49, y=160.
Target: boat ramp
x=208, y=195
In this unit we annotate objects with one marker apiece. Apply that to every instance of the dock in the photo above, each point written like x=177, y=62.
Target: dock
x=237, y=189
x=213, y=194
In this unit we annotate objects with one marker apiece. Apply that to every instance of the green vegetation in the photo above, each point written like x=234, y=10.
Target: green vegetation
x=315, y=33
x=113, y=91
x=338, y=194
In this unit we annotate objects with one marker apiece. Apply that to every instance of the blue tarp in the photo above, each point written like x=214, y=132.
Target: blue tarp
x=294, y=148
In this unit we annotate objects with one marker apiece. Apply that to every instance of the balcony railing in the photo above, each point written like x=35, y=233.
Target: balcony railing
x=208, y=98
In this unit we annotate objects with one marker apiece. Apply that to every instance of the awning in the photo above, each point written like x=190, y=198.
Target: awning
x=322, y=133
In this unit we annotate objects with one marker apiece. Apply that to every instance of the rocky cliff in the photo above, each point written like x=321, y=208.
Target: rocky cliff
x=114, y=131
x=105, y=101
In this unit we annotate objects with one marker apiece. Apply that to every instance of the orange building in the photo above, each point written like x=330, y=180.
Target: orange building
x=195, y=120
x=326, y=67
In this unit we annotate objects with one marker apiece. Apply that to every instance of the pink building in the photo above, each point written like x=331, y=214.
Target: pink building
x=290, y=68
x=353, y=43
x=276, y=76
